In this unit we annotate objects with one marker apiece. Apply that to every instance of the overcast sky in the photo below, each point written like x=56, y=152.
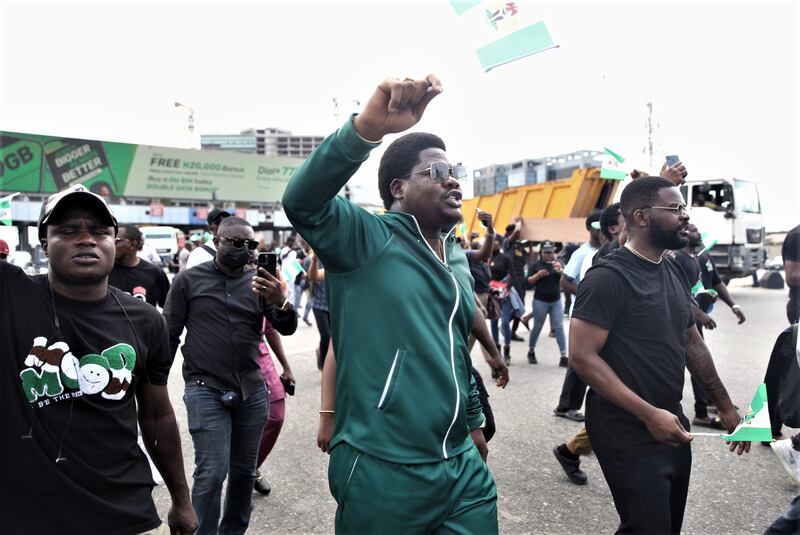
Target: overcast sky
x=722, y=77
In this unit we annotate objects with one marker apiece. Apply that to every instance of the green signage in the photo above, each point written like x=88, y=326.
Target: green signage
x=45, y=164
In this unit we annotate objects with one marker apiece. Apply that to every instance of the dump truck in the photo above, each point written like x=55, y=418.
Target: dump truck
x=563, y=191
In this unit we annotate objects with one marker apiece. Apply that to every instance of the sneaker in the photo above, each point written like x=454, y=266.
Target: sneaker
x=571, y=467
x=507, y=355
x=261, y=486
x=789, y=457
x=517, y=338
x=569, y=414
x=532, y=356
x=564, y=362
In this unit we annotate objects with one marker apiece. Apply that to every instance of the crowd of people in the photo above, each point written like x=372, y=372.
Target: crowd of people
x=399, y=303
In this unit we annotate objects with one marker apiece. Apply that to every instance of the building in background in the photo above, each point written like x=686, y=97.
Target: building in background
x=266, y=141
x=498, y=177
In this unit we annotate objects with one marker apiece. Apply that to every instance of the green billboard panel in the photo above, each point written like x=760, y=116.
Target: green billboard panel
x=45, y=164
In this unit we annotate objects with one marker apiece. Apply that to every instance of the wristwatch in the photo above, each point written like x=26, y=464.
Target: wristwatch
x=284, y=306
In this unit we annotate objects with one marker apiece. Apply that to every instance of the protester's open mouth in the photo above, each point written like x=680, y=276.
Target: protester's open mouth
x=86, y=258
x=453, y=199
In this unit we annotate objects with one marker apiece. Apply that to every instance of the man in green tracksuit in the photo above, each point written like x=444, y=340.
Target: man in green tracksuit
x=408, y=419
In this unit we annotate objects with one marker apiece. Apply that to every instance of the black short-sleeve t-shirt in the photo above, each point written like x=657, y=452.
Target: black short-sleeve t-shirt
x=72, y=390
x=480, y=271
x=547, y=288
x=143, y=281
x=646, y=310
x=690, y=266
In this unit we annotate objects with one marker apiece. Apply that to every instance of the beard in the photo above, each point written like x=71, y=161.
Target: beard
x=667, y=238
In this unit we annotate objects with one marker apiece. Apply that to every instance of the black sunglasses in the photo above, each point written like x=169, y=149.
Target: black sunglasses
x=240, y=242
x=439, y=171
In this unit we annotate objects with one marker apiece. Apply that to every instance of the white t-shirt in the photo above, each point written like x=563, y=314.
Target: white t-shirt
x=200, y=255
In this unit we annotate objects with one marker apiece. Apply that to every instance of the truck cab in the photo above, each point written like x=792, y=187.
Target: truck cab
x=728, y=211
x=164, y=239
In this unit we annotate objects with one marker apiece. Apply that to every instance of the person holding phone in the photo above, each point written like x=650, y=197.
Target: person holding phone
x=222, y=304
x=408, y=449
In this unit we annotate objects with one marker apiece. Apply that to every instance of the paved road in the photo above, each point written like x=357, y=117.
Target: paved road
x=727, y=495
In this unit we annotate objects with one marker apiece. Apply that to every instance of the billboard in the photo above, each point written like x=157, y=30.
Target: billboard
x=45, y=164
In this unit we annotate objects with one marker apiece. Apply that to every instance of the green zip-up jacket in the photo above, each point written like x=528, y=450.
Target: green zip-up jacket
x=400, y=317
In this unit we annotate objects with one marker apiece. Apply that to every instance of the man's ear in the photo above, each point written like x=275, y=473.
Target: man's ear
x=640, y=218
x=43, y=241
x=215, y=239
x=397, y=188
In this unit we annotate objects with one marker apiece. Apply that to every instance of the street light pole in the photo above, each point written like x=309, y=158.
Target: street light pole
x=190, y=122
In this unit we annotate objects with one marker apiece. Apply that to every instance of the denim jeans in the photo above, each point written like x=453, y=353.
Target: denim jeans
x=298, y=297
x=505, y=323
x=225, y=444
x=540, y=311
x=788, y=522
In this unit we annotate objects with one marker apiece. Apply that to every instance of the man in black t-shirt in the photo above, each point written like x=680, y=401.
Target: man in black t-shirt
x=544, y=278
x=631, y=336
x=478, y=260
x=701, y=275
x=79, y=357
x=135, y=276
x=791, y=264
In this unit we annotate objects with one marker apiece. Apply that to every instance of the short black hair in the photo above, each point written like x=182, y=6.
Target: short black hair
x=400, y=158
x=133, y=233
x=641, y=193
x=591, y=218
x=233, y=221
x=609, y=218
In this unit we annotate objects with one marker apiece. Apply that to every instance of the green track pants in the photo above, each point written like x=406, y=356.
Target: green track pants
x=453, y=496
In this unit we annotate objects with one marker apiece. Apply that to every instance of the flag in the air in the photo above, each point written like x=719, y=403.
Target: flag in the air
x=611, y=167
x=755, y=426
x=291, y=269
x=5, y=209
x=708, y=242
x=502, y=31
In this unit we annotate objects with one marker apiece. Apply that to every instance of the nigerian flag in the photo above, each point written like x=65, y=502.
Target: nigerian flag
x=755, y=426
x=502, y=31
x=5, y=209
x=611, y=168
x=708, y=242
x=291, y=269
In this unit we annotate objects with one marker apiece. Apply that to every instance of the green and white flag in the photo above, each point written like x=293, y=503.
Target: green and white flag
x=708, y=242
x=612, y=165
x=291, y=269
x=755, y=426
x=502, y=31
x=5, y=209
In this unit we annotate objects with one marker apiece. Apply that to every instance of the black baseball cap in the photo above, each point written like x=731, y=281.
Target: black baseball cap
x=547, y=245
x=217, y=214
x=76, y=195
x=594, y=217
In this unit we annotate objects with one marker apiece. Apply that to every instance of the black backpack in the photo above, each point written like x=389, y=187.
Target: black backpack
x=789, y=390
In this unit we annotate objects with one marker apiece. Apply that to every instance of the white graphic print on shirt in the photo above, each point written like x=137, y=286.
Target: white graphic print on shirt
x=55, y=374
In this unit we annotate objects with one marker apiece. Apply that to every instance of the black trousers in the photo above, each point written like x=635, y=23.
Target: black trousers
x=650, y=493
x=701, y=398
x=572, y=391
x=779, y=361
x=793, y=311
x=323, y=321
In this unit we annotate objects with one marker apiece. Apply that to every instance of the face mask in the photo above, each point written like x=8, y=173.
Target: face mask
x=237, y=257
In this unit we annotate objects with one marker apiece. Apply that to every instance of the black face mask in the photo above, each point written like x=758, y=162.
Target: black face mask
x=237, y=257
